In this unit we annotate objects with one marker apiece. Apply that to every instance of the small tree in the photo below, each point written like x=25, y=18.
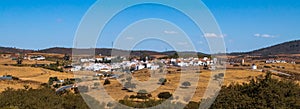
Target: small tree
x=132, y=97
x=57, y=63
x=218, y=76
x=164, y=95
x=66, y=57
x=186, y=84
x=175, y=55
x=162, y=81
x=52, y=79
x=106, y=82
x=56, y=85
x=142, y=94
x=19, y=61
x=149, y=95
x=26, y=86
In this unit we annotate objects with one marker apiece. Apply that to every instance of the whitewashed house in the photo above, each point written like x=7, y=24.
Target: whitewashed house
x=254, y=67
x=154, y=67
x=76, y=68
x=38, y=58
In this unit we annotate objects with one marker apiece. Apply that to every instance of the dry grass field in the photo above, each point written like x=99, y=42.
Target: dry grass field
x=10, y=61
x=173, y=85
x=146, y=80
x=32, y=74
x=27, y=75
x=288, y=68
x=18, y=84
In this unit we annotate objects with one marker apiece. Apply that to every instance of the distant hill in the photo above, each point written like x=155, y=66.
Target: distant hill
x=291, y=47
x=13, y=50
x=58, y=50
x=102, y=51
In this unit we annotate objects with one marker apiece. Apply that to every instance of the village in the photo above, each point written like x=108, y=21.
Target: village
x=102, y=65
x=134, y=64
x=62, y=74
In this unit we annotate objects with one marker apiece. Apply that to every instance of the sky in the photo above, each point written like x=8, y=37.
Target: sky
x=246, y=24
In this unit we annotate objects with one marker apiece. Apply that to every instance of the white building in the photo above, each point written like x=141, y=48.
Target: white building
x=254, y=67
x=154, y=67
x=76, y=68
x=38, y=58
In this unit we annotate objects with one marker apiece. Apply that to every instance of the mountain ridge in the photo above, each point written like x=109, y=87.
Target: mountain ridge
x=290, y=47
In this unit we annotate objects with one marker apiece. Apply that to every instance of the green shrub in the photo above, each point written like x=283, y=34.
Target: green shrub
x=164, y=95
x=162, y=81
x=106, y=82
x=186, y=84
x=267, y=66
x=43, y=98
x=260, y=93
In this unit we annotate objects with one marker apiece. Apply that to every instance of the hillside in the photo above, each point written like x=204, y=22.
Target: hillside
x=102, y=51
x=291, y=47
x=58, y=50
x=13, y=50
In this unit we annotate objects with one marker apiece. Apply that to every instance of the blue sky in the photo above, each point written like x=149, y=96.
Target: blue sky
x=246, y=24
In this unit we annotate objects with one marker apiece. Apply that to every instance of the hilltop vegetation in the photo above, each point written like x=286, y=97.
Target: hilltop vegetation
x=43, y=98
x=260, y=93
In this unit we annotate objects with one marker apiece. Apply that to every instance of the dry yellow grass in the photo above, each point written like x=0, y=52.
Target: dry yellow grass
x=18, y=84
x=39, y=75
x=10, y=61
x=36, y=75
x=231, y=76
x=33, y=74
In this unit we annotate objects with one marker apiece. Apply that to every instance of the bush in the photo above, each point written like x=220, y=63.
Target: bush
x=52, y=79
x=106, y=82
x=186, y=84
x=15, y=78
x=132, y=97
x=162, y=81
x=236, y=65
x=164, y=95
x=43, y=98
x=259, y=93
x=192, y=105
x=53, y=67
x=267, y=66
x=142, y=94
x=56, y=85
